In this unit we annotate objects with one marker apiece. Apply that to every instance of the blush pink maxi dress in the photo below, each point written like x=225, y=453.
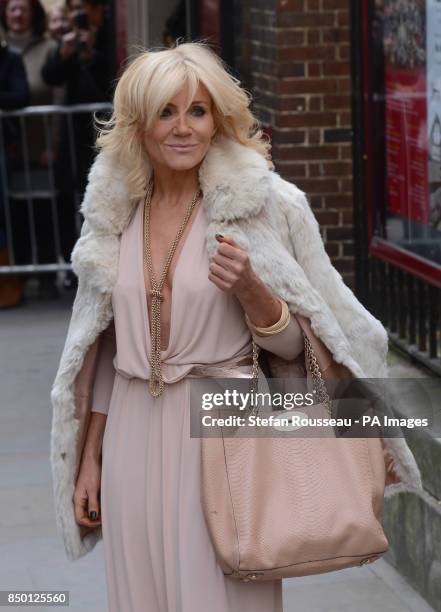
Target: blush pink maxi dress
x=157, y=548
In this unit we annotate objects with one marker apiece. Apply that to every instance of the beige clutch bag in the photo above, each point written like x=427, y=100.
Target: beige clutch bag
x=278, y=507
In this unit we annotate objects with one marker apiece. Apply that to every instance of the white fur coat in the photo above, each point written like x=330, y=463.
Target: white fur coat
x=272, y=220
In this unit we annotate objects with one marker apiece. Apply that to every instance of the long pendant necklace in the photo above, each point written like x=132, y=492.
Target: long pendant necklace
x=156, y=382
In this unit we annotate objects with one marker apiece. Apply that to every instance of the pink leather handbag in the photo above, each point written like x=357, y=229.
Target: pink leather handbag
x=279, y=507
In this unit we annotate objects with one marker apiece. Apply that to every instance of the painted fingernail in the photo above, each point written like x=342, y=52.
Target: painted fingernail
x=92, y=515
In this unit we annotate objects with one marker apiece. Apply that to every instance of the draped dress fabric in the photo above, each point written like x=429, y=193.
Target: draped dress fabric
x=157, y=548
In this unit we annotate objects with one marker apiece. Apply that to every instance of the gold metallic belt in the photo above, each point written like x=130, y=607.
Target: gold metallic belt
x=225, y=369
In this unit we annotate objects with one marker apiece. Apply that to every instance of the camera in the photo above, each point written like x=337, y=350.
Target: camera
x=81, y=20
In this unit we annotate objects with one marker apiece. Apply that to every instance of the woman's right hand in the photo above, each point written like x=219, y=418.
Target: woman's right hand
x=86, y=496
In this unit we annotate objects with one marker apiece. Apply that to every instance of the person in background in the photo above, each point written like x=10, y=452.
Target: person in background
x=24, y=22
x=14, y=88
x=58, y=25
x=57, y=21
x=14, y=93
x=81, y=64
x=77, y=61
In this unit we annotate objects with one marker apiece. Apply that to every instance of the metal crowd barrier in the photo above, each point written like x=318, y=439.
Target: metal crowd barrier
x=24, y=182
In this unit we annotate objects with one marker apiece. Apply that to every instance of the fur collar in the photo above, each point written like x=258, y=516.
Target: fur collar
x=234, y=179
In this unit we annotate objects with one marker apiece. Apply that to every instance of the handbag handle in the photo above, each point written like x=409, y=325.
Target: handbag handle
x=311, y=363
x=316, y=373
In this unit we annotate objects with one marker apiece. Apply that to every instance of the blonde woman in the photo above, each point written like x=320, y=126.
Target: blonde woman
x=191, y=247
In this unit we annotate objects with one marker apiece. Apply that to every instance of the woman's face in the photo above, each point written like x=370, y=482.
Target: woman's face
x=179, y=138
x=18, y=16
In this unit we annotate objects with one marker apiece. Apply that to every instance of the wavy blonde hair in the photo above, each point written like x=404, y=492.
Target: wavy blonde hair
x=151, y=80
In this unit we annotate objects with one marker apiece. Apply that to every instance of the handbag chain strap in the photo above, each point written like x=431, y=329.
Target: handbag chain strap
x=255, y=377
x=313, y=366
x=317, y=378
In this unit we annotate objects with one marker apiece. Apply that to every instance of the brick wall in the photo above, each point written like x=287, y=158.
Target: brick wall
x=296, y=60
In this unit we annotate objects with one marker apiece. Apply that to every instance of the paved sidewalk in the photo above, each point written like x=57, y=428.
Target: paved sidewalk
x=31, y=552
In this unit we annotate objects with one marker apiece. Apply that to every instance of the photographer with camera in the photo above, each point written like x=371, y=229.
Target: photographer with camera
x=81, y=63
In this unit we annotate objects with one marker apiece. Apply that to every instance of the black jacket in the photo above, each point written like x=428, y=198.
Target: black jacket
x=14, y=89
x=86, y=82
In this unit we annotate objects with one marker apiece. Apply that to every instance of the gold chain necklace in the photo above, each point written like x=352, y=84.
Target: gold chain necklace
x=156, y=382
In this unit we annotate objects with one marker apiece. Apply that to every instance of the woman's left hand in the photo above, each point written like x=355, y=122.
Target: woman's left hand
x=230, y=268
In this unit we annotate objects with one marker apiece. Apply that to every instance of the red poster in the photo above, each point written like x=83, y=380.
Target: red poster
x=406, y=111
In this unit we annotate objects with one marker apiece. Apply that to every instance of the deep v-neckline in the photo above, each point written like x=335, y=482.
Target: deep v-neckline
x=181, y=253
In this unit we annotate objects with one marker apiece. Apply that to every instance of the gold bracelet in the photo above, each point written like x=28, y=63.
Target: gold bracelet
x=277, y=327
